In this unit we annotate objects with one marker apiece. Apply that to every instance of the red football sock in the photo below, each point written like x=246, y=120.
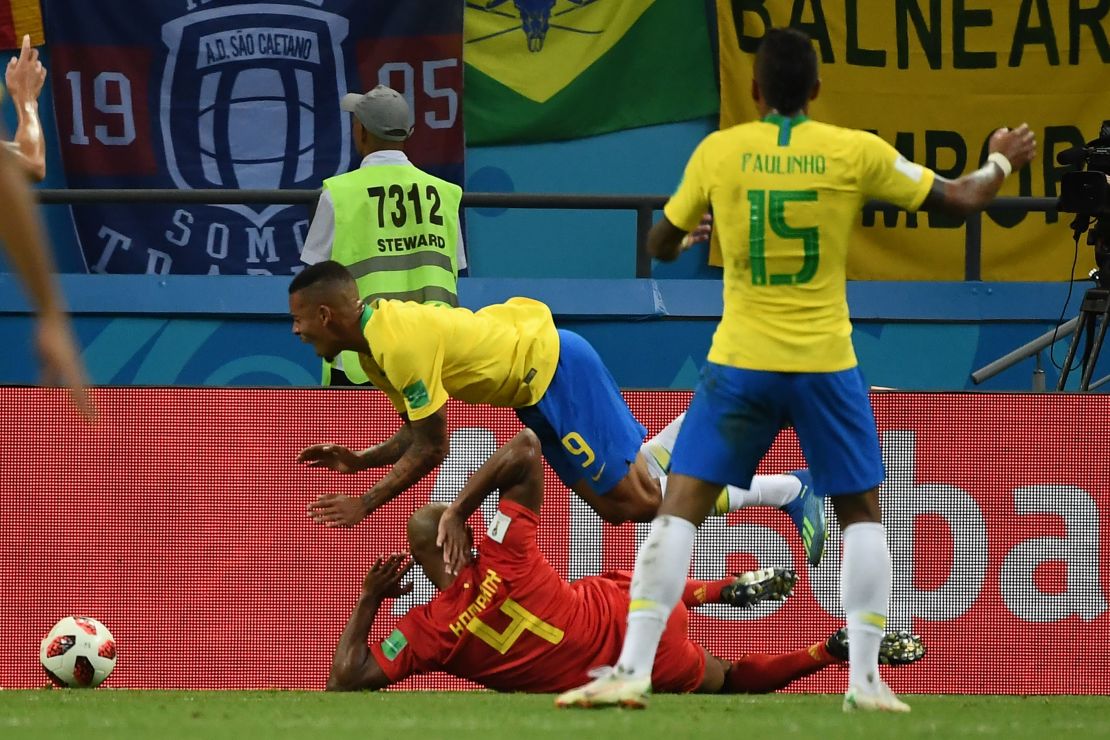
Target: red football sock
x=760, y=674
x=697, y=592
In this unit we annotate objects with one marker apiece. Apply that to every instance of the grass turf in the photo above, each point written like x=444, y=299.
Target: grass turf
x=241, y=715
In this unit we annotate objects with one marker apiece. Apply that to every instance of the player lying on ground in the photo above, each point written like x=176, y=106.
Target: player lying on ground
x=506, y=355
x=508, y=622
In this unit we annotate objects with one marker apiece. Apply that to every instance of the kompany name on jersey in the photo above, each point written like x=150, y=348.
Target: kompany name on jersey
x=487, y=589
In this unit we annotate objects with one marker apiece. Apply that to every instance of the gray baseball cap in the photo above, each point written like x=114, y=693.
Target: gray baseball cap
x=382, y=111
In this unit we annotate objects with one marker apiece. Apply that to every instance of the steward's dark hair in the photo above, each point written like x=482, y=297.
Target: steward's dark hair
x=786, y=69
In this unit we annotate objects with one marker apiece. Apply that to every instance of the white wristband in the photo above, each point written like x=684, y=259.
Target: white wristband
x=1003, y=164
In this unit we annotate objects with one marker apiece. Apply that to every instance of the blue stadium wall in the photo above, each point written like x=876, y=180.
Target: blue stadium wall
x=185, y=330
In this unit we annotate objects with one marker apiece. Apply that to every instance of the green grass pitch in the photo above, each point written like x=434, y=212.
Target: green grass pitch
x=242, y=715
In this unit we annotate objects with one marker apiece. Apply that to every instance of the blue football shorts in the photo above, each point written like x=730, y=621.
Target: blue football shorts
x=736, y=414
x=586, y=429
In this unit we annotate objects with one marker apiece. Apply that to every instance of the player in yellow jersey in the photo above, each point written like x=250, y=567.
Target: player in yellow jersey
x=785, y=193
x=508, y=355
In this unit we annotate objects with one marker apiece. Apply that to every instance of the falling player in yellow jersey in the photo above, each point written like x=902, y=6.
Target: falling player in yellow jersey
x=508, y=355
x=785, y=193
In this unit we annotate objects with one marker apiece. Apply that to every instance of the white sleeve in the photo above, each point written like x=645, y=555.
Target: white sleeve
x=321, y=234
x=460, y=257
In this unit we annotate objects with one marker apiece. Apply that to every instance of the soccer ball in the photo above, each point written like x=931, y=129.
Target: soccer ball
x=78, y=652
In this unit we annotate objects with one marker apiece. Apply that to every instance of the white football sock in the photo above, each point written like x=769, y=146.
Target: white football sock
x=657, y=450
x=865, y=592
x=661, y=568
x=775, y=491
x=767, y=490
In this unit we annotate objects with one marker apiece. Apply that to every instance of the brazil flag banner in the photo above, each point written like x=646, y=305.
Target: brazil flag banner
x=935, y=78
x=540, y=70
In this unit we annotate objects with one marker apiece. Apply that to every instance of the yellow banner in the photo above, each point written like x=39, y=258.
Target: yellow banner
x=935, y=78
x=25, y=17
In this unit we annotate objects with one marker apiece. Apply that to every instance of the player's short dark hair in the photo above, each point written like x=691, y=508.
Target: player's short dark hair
x=786, y=69
x=327, y=275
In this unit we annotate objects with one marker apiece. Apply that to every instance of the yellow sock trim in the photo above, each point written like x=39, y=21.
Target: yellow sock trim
x=720, y=506
x=661, y=456
x=875, y=620
x=637, y=605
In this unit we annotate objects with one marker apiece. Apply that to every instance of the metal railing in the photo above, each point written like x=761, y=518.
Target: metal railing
x=644, y=207
x=1035, y=348
x=1025, y=351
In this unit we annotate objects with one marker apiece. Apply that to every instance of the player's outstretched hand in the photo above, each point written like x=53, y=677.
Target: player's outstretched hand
x=333, y=457
x=385, y=576
x=1018, y=145
x=455, y=541
x=61, y=361
x=336, y=510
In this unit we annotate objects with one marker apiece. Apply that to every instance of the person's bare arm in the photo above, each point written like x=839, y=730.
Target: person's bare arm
x=389, y=451
x=353, y=667
x=24, y=78
x=343, y=460
x=22, y=235
x=428, y=448
x=664, y=241
x=974, y=191
x=516, y=469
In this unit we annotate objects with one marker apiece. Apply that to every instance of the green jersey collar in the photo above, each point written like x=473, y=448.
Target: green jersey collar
x=367, y=312
x=785, y=125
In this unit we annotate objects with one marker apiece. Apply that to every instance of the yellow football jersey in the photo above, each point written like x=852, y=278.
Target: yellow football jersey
x=420, y=355
x=786, y=194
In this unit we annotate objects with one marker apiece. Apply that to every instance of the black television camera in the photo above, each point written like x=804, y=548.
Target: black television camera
x=1085, y=191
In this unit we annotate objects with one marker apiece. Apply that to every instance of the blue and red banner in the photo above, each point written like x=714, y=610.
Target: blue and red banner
x=235, y=94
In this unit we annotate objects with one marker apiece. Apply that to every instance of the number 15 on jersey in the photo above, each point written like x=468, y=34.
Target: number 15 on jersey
x=770, y=206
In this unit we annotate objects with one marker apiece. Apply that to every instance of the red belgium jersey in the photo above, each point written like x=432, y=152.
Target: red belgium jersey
x=509, y=622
